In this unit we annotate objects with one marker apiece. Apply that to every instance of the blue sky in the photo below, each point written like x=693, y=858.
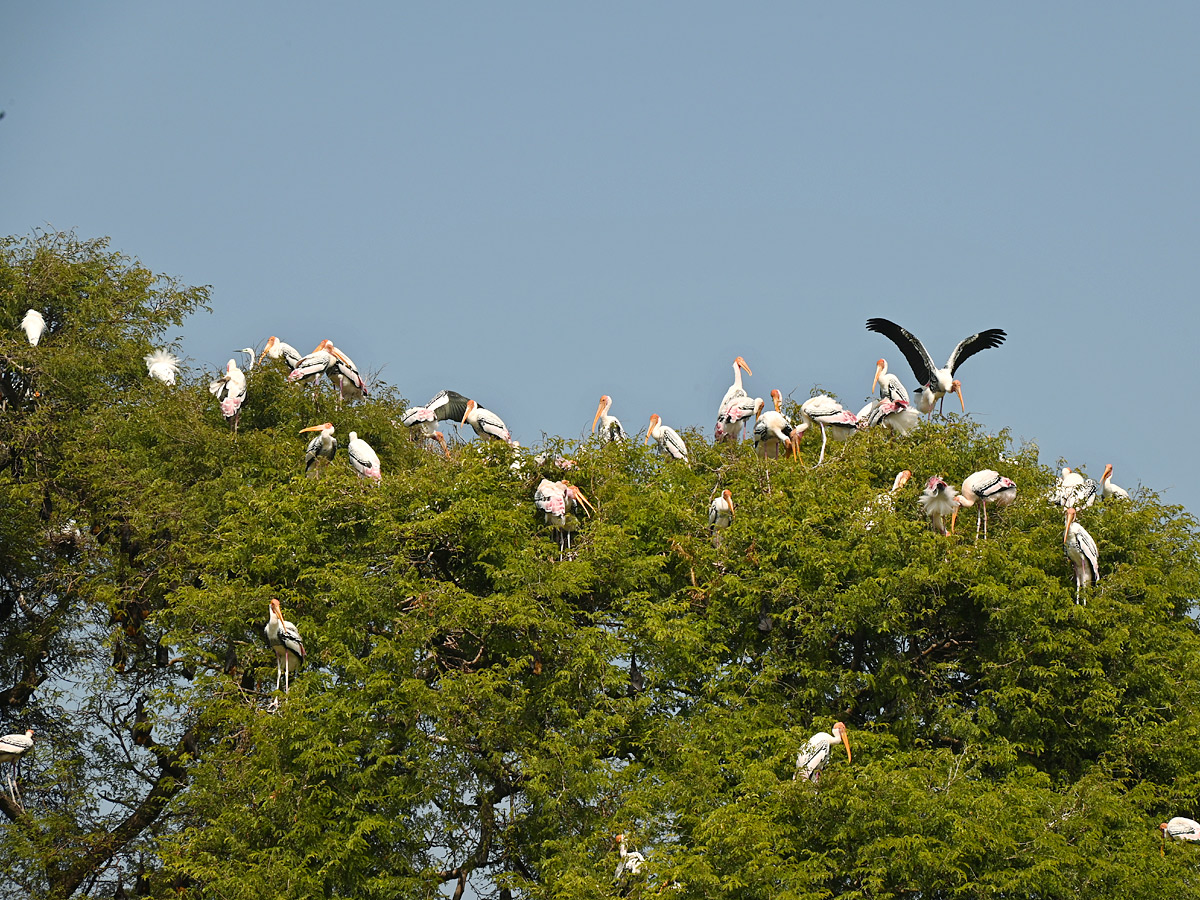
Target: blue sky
x=535, y=204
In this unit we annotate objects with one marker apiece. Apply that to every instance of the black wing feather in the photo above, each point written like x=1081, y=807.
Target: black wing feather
x=968, y=347
x=914, y=351
x=449, y=406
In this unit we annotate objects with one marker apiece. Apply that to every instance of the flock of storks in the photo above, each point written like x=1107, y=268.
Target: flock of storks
x=772, y=433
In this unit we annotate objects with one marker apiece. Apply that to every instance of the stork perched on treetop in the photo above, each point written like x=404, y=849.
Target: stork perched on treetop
x=935, y=382
x=667, y=438
x=363, y=458
x=772, y=428
x=556, y=499
x=485, y=422
x=34, y=325
x=277, y=349
x=833, y=418
x=610, y=426
x=735, y=390
x=720, y=514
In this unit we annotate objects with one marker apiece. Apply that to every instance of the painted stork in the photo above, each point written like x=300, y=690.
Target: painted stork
x=984, y=487
x=885, y=502
x=446, y=406
x=1072, y=489
x=363, y=458
x=720, y=515
x=311, y=367
x=1081, y=551
x=938, y=502
x=1110, y=490
x=890, y=386
x=667, y=438
x=610, y=426
x=344, y=374
x=285, y=640
x=733, y=419
x=485, y=422
x=1181, y=829
x=898, y=415
x=323, y=447
x=162, y=365
x=834, y=420
x=556, y=499
x=772, y=428
x=34, y=325
x=935, y=382
x=277, y=349
x=735, y=390
x=629, y=864
x=230, y=389
x=813, y=758
x=12, y=748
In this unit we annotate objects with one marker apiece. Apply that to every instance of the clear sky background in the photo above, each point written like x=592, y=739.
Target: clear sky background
x=537, y=203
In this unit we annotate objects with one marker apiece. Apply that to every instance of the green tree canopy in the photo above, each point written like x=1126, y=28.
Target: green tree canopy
x=479, y=708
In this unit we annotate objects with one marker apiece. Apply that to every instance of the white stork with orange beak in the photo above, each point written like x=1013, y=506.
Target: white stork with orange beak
x=720, y=515
x=485, y=422
x=1180, y=828
x=277, y=349
x=310, y=368
x=344, y=374
x=1110, y=490
x=284, y=639
x=815, y=755
x=772, y=428
x=363, y=458
x=984, y=487
x=610, y=426
x=890, y=386
x=230, y=389
x=1082, y=552
x=322, y=447
x=556, y=499
x=735, y=390
x=667, y=438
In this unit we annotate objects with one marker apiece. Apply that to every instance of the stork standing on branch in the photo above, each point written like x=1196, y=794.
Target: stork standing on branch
x=321, y=449
x=230, y=389
x=12, y=748
x=284, y=639
x=815, y=755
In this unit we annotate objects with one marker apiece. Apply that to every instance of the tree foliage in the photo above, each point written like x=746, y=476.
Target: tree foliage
x=479, y=708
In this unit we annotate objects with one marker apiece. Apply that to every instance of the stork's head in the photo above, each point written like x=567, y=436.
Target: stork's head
x=777, y=399
x=728, y=495
x=471, y=407
x=839, y=731
x=880, y=371
x=441, y=439
x=1107, y=472
x=759, y=405
x=901, y=480
x=327, y=426
x=271, y=350
x=276, y=609
x=654, y=423
x=741, y=363
x=956, y=387
x=577, y=496
x=602, y=409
